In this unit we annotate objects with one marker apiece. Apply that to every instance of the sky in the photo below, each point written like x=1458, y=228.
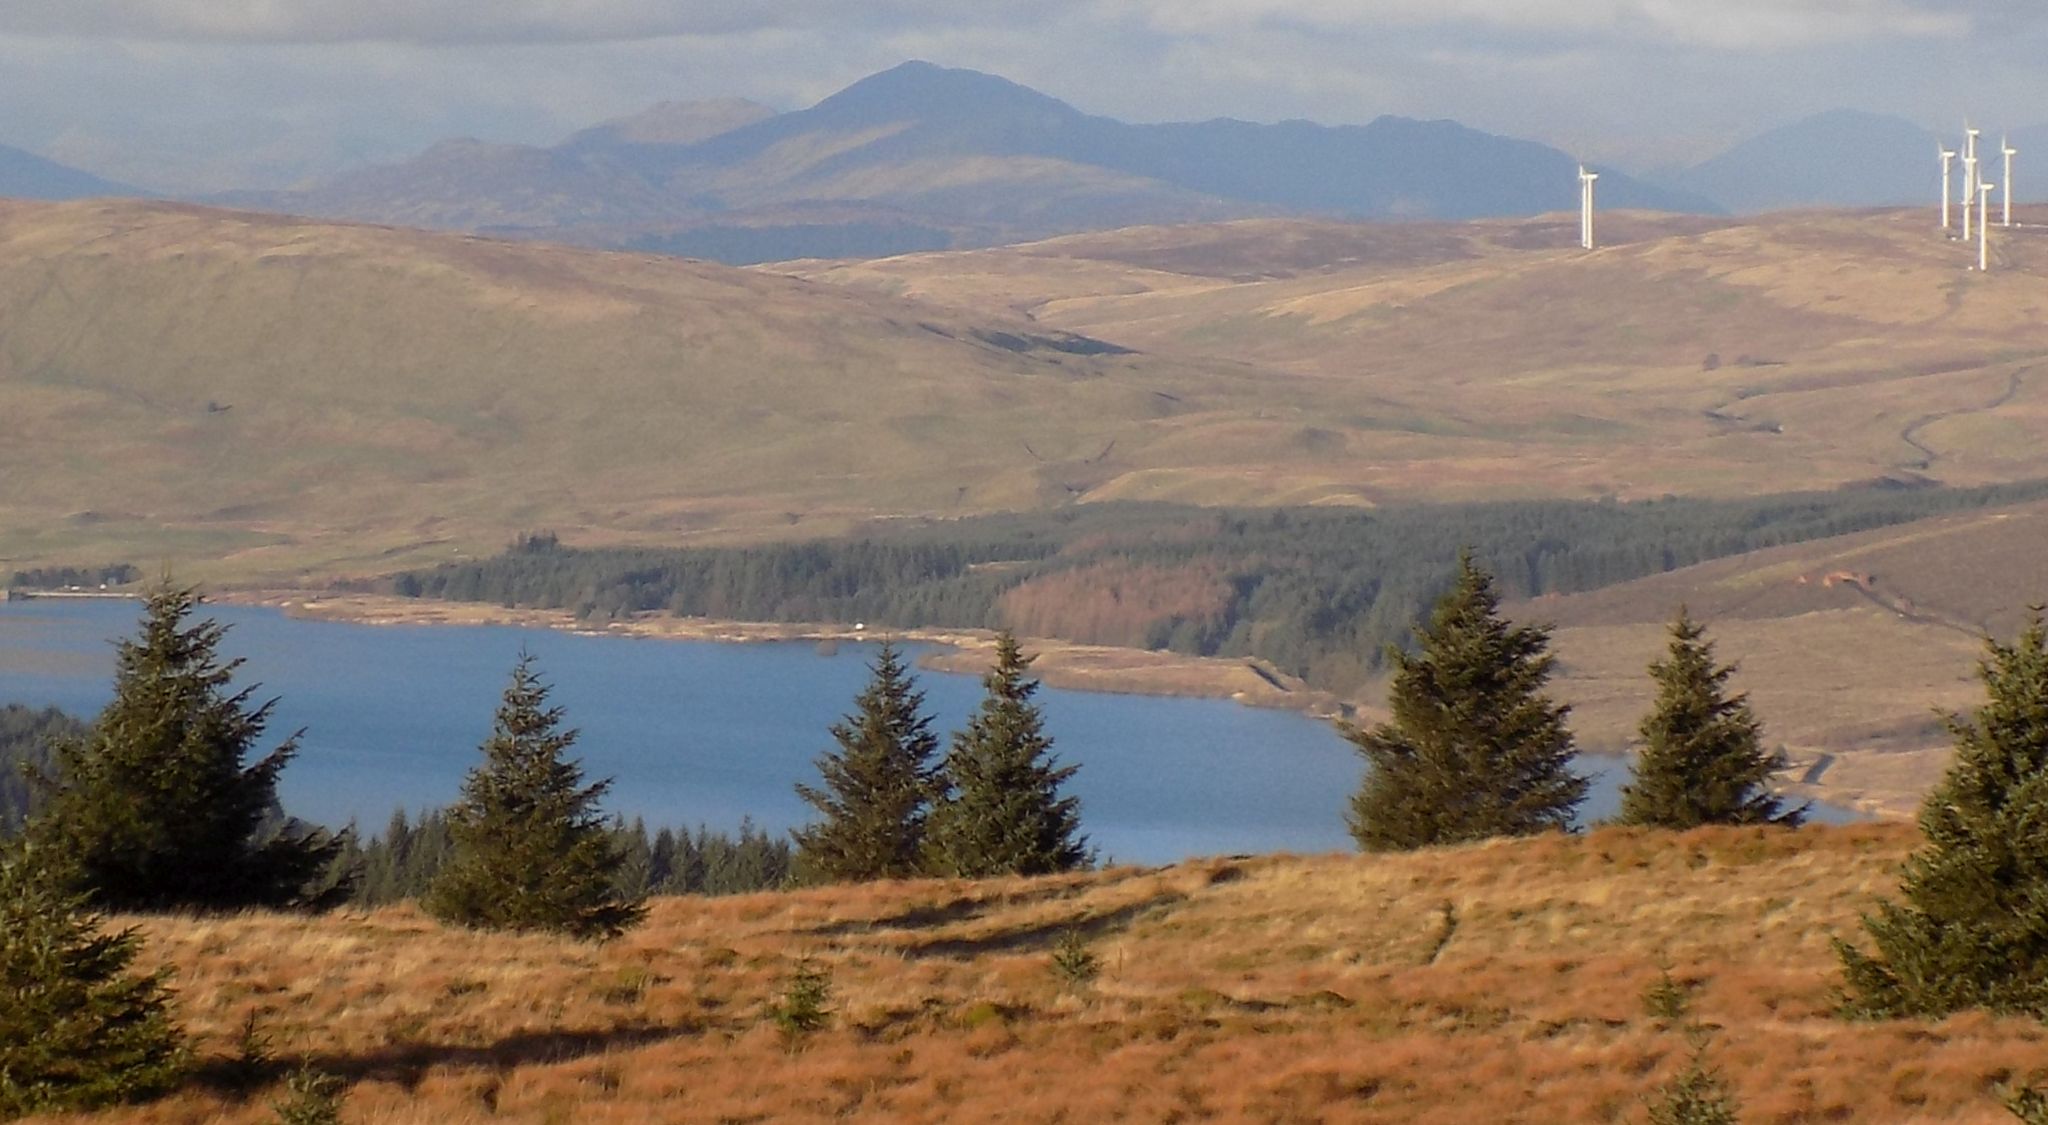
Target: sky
x=195, y=95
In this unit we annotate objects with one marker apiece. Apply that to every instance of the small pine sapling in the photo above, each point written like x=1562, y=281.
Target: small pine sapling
x=1073, y=962
x=805, y=1005
x=311, y=1097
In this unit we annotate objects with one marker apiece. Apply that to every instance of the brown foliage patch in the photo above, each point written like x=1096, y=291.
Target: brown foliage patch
x=1276, y=989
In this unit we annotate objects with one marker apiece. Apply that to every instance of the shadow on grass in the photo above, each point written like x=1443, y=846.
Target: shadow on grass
x=964, y=908
x=405, y=1064
x=1042, y=935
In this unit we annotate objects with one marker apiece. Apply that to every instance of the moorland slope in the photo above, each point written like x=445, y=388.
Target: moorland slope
x=1686, y=356
x=190, y=384
x=1852, y=647
x=1502, y=983
x=185, y=384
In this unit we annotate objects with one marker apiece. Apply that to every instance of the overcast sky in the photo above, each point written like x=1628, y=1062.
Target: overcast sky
x=192, y=93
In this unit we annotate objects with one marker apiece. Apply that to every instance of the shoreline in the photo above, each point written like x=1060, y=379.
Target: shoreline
x=1060, y=664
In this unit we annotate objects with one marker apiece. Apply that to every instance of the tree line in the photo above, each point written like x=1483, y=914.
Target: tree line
x=1319, y=593
x=68, y=577
x=166, y=802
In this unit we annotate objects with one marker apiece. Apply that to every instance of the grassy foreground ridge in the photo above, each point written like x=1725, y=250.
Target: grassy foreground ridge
x=1497, y=982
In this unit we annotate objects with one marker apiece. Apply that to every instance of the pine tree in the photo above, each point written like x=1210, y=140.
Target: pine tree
x=877, y=785
x=1972, y=931
x=531, y=850
x=1475, y=748
x=154, y=807
x=1698, y=1096
x=78, y=1029
x=1000, y=811
x=1703, y=760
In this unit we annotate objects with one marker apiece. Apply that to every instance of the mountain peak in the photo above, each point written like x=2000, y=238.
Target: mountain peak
x=919, y=89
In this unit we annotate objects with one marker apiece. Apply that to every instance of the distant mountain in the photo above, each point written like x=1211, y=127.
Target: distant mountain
x=924, y=157
x=673, y=123
x=1844, y=158
x=24, y=175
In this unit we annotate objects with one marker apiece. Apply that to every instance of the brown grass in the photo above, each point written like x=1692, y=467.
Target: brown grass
x=1270, y=989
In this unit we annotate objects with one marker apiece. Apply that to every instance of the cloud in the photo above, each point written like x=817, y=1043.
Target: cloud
x=1721, y=24
x=468, y=22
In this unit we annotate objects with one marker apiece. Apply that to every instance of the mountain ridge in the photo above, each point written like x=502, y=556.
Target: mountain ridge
x=924, y=157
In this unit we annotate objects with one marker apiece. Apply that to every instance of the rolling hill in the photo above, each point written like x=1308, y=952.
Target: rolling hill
x=922, y=157
x=1687, y=355
x=183, y=383
x=180, y=383
x=1851, y=647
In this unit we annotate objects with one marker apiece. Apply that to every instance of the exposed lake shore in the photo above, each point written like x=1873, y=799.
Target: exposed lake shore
x=1063, y=664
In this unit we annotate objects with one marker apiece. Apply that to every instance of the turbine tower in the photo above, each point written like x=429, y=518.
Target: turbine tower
x=1586, y=207
x=1948, y=157
x=2005, y=147
x=1984, y=228
x=1969, y=192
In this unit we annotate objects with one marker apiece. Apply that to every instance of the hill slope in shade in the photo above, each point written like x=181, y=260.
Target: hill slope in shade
x=922, y=157
x=1851, y=647
x=1498, y=983
x=24, y=175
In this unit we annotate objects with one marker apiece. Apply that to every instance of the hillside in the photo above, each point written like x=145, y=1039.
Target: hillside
x=192, y=385
x=1686, y=355
x=186, y=384
x=1849, y=646
x=1497, y=983
x=921, y=157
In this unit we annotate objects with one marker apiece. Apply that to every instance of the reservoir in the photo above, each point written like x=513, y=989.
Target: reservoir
x=701, y=732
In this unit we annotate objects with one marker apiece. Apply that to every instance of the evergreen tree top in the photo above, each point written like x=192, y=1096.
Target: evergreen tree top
x=1971, y=930
x=876, y=785
x=1002, y=811
x=531, y=849
x=158, y=804
x=1703, y=759
x=1474, y=747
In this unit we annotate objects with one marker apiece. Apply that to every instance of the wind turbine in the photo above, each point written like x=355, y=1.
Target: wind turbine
x=1948, y=157
x=2005, y=146
x=1969, y=192
x=1586, y=207
x=1984, y=228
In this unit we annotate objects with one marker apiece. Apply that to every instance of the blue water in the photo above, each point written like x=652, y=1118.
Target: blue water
x=707, y=733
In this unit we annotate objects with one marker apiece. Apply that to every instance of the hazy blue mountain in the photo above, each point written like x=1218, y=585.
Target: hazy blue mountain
x=922, y=157
x=1848, y=158
x=24, y=175
x=1393, y=167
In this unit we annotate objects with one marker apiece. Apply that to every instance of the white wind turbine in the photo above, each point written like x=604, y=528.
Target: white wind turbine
x=1948, y=157
x=1984, y=228
x=1586, y=207
x=2005, y=146
x=1969, y=192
